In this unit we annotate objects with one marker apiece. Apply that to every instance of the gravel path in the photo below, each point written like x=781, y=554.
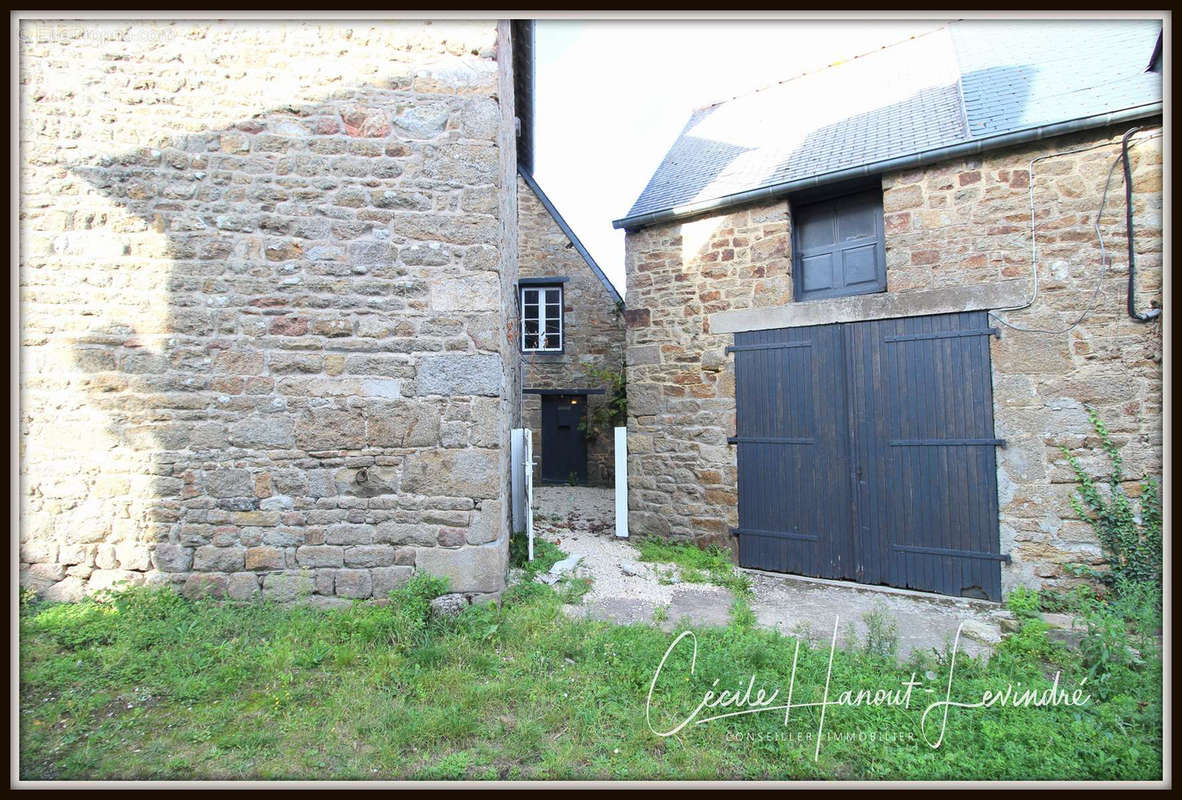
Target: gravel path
x=581, y=520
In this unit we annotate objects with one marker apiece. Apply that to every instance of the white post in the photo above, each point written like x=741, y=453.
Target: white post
x=622, y=483
x=517, y=477
x=528, y=437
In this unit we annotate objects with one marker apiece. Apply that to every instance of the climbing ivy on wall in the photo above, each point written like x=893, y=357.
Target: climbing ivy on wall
x=614, y=413
x=1131, y=541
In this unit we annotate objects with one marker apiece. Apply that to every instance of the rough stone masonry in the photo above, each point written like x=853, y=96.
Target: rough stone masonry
x=264, y=276
x=957, y=223
x=593, y=335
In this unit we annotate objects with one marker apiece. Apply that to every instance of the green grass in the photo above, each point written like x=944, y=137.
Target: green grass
x=546, y=555
x=696, y=565
x=571, y=590
x=152, y=686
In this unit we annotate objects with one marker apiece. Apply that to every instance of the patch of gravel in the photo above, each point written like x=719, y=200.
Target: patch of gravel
x=581, y=521
x=585, y=508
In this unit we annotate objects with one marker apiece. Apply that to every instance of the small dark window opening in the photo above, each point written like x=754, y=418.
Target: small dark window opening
x=837, y=246
x=541, y=319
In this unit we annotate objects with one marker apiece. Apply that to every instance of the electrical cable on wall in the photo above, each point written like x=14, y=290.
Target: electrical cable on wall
x=1099, y=236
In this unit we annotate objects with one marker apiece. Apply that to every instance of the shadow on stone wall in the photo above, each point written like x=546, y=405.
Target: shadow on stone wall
x=256, y=378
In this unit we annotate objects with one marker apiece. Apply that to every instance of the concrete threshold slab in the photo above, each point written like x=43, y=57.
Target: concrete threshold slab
x=873, y=589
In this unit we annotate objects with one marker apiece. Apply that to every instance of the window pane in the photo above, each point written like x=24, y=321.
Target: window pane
x=552, y=326
x=531, y=341
x=815, y=227
x=857, y=222
x=531, y=326
x=530, y=312
x=860, y=264
x=552, y=341
x=553, y=295
x=817, y=272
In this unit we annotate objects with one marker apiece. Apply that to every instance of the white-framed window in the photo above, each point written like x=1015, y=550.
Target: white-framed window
x=541, y=319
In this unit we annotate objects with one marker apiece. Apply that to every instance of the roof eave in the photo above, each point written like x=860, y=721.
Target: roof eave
x=570, y=234
x=919, y=159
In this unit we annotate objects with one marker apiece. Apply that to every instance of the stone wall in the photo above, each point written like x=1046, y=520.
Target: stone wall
x=682, y=476
x=593, y=333
x=264, y=273
x=955, y=223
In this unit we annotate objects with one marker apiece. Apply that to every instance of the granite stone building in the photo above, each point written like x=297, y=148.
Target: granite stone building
x=869, y=307
x=572, y=343
x=286, y=288
x=268, y=290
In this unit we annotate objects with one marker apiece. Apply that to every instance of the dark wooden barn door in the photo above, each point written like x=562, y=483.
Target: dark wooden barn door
x=900, y=482
x=564, y=442
x=792, y=443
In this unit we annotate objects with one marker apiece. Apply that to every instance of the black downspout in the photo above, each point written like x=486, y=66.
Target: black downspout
x=1152, y=313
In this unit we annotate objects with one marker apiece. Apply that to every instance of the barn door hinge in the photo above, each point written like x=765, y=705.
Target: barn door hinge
x=769, y=440
x=914, y=337
x=947, y=551
x=793, y=535
x=740, y=348
x=946, y=442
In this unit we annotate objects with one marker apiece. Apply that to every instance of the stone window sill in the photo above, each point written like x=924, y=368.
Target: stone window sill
x=884, y=305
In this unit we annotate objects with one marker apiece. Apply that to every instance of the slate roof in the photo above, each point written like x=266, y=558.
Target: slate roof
x=1017, y=75
x=532, y=183
x=966, y=80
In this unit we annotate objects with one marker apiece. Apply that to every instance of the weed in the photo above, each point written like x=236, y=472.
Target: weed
x=882, y=636
x=546, y=555
x=571, y=590
x=1131, y=543
x=804, y=632
x=1023, y=602
x=1029, y=643
x=742, y=617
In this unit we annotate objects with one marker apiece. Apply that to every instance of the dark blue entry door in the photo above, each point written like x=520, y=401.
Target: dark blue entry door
x=564, y=438
x=866, y=453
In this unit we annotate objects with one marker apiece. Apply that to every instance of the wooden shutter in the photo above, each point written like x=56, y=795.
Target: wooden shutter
x=838, y=246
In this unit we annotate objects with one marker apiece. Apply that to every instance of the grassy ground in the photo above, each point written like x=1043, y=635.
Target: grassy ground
x=695, y=564
x=153, y=686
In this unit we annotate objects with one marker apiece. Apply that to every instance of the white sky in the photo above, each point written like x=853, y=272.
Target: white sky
x=612, y=96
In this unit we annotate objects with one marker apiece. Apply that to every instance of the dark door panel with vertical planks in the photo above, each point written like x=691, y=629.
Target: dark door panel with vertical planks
x=564, y=443
x=866, y=452
x=791, y=443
